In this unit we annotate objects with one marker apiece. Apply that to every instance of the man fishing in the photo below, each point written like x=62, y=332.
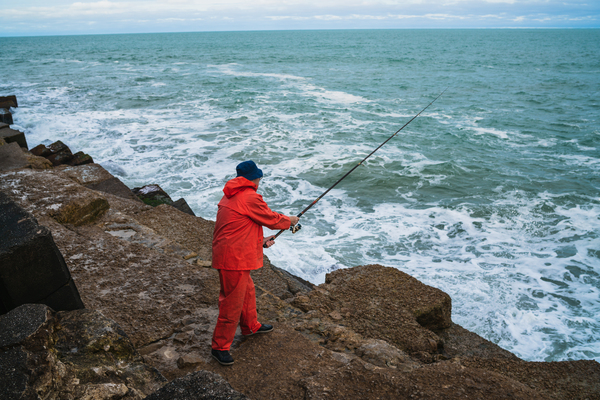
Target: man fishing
x=237, y=248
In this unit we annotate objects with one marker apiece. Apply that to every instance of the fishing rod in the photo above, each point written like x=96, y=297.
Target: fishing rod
x=297, y=227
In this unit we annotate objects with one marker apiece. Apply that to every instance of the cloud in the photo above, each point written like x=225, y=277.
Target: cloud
x=108, y=16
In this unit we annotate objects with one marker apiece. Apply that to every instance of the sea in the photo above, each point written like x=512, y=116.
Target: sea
x=492, y=194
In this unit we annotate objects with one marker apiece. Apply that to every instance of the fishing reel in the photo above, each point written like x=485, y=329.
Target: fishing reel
x=295, y=228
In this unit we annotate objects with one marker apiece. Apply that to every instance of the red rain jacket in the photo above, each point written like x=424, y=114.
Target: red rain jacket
x=238, y=237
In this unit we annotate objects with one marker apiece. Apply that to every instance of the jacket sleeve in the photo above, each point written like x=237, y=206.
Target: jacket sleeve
x=260, y=213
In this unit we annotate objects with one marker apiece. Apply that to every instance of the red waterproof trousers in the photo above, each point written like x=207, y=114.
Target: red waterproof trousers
x=237, y=304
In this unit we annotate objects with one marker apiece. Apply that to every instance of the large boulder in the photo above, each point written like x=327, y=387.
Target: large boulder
x=60, y=153
x=8, y=101
x=11, y=157
x=81, y=158
x=153, y=195
x=12, y=135
x=70, y=355
x=382, y=303
x=32, y=269
x=183, y=206
x=6, y=116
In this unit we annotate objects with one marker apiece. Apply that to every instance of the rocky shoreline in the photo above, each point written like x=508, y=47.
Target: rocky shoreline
x=143, y=272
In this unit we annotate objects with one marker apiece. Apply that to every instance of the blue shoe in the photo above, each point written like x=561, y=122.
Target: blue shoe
x=223, y=357
x=264, y=328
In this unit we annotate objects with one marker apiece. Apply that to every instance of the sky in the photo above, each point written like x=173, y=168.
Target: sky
x=67, y=17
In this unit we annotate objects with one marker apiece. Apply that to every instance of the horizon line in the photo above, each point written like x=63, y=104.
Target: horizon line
x=297, y=30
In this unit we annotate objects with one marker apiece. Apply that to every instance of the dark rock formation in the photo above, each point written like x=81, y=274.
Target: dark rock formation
x=197, y=386
x=11, y=135
x=6, y=116
x=80, y=158
x=183, y=206
x=32, y=269
x=11, y=157
x=59, y=153
x=153, y=195
x=70, y=355
x=41, y=151
x=113, y=186
x=8, y=101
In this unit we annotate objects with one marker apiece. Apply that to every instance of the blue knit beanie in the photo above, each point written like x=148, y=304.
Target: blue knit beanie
x=249, y=170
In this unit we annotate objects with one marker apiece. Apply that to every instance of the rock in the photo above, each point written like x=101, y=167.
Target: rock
x=6, y=116
x=32, y=268
x=381, y=303
x=88, y=174
x=13, y=384
x=383, y=354
x=360, y=380
x=555, y=380
x=114, y=186
x=36, y=162
x=60, y=153
x=12, y=99
x=70, y=355
x=41, y=151
x=7, y=103
x=196, y=386
x=11, y=157
x=153, y=195
x=57, y=147
x=80, y=158
x=84, y=210
x=20, y=324
x=13, y=136
x=431, y=307
x=192, y=233
x=279, y=282
x=49, y=193
x=459, y=342
x=63, y=157
x=183, y=206
x=189, y=360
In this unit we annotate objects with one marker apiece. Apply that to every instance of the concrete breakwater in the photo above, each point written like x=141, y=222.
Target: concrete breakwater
x=142, y=270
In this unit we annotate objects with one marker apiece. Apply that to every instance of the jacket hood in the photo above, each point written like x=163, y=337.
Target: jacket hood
x=236, y=185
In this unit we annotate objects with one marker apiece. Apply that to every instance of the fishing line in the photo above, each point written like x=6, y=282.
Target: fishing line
x=297, y=227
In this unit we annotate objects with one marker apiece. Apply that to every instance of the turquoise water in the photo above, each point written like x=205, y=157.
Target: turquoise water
x=492, y=194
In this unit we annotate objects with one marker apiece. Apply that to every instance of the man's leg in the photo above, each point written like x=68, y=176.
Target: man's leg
x=248, y=321
x=231, y=302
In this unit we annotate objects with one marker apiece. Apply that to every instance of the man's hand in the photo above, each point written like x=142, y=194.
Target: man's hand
x=268, y=241
x=293, y=219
